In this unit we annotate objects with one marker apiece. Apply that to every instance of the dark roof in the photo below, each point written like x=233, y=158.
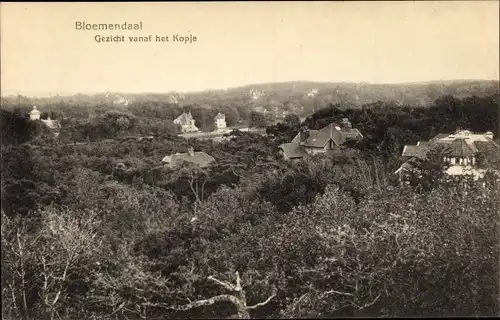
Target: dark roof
x=200, y=158
x=292, y=150
x=486, y=146
x=297, y=137
x=458, y=147
x=319, y=138
x=351, y=133
x=415, y=151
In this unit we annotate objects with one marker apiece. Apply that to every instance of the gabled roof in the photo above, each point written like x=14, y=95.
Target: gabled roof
x=485, y=146
x=297, y=137
x=423, y=143
x=220, y=116
x=415, y=151
x=199, y=158
x=458, y=147
x=184, y=118
x=292, y=150
x=334, y=132
x=319, y=138
x=351, y=134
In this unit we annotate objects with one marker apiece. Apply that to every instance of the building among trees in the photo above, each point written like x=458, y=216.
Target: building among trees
x=186, y=121
x=326, y=140
x=462, y=152
x=220, y=121
x=200, y=159
x=35, y=114
x=53, y=125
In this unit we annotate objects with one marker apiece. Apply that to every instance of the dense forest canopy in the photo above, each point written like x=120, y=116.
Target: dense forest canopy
x=100, y=229
x=294, y=97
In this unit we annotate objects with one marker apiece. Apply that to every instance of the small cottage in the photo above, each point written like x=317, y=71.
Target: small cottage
x=200, y=159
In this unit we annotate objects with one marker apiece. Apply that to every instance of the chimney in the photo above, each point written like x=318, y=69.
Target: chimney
x=304, y=134
x=191, y=151
x=346, y=124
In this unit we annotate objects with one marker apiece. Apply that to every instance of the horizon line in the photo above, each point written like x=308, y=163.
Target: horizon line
x=47, y=94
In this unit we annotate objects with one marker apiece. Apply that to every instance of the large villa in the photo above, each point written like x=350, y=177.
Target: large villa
x=461, y=151
x=325, y=140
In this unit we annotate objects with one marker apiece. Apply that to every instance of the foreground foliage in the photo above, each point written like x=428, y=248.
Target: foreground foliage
x=102, y=231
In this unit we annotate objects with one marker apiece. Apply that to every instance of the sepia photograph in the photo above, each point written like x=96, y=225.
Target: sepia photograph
x=250, y=160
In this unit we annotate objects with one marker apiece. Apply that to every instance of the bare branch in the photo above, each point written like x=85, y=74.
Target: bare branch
x=238, y=282
x=371, y=303
x=260, y=304
x=61, y=286
x=337, y=292
x=224, y=284
x=196, y=304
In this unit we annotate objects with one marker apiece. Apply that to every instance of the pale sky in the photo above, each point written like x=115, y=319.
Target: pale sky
x=242, y=43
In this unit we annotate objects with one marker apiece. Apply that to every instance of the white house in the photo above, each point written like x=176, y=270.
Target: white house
x=220, y=121
x=34, y=114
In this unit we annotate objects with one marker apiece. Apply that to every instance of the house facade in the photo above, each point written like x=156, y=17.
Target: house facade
x=325, y=140
x=35, y=114
x=220, y=121
x=461, y=151
x=187, y=123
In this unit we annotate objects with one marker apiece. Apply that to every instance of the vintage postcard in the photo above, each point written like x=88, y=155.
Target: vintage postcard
x=183, y=160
